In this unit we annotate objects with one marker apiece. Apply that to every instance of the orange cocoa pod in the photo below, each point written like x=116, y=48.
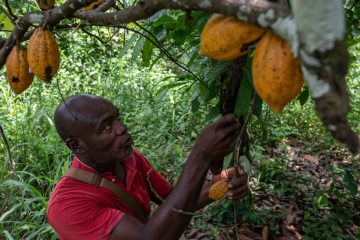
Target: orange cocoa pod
x=17, y=70
x=223, y=37
x=217, y=190
x=277, y=75
x=93, y=5
x=45, y=4
x=43, y=54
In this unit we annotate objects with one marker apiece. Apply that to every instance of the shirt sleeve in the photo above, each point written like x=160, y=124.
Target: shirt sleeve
x=82, y=218
x=157, y=184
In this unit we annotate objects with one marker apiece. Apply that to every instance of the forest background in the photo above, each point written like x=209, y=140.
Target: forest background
x=304, y=183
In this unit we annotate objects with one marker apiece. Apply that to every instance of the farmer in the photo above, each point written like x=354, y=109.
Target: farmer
x=107, y=191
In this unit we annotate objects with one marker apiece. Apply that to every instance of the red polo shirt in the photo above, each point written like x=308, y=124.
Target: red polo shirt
x=79, y=210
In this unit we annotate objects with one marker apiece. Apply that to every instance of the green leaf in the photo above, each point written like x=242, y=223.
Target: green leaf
x=128, y=44
x=195, y=104
x=246, y=92
x=147, y=52
x=244, y=97
x=166, y=22
x=213, y=113
x=2, y=17
x=138, y=48
x=349, y=182
x=304, y=96
x=258, y=103
x=7, y=26
x=216, y=70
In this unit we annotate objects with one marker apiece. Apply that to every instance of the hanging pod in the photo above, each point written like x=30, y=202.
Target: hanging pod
x=17, y=70
x=43, y=54
x=277, y=76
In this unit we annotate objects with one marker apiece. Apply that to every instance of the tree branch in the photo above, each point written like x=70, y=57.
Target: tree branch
x=324, y=60
x=251, y=10
x=13, y=16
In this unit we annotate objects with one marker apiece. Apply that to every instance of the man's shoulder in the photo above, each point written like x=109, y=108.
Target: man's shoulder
x=69, y=189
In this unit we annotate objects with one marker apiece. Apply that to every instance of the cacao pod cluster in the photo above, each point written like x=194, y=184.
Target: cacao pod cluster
x=277, y=76
x=41, y=58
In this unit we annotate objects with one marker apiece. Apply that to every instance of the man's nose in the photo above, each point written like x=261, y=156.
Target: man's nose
x=120, y=128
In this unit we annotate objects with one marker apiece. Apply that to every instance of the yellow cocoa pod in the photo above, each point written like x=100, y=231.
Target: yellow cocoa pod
x=93, y=5
x=218, y=189
x=223, y=37
x=277, y=76
x=45, y=4
x=17, y=70
x=43, y=54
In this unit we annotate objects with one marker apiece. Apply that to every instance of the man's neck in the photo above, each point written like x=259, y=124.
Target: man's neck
x=117, y=168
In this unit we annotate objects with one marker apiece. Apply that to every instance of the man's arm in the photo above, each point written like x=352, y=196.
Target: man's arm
x=214, y=142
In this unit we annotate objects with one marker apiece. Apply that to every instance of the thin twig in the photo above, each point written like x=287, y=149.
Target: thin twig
x=243, y=129
x=167, y=54
x=237, y=153
x=62, y=98
x=93, y=35
x=7, y=147
x=99, y=38
x=159, y=45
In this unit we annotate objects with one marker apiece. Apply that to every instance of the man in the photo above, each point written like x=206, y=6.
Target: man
x=90, y=127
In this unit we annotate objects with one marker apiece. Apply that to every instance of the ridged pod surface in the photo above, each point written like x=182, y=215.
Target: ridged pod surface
x=45, y=4
x=276, y=73
x=17, y=70
x=43, y=54
x=223, y=37
x=218, y=189
x=93, y=5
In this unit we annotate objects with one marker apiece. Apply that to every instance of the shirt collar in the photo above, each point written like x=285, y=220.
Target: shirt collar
x=129, y=165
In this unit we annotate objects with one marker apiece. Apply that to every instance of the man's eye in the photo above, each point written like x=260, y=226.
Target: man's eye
x=107, y=126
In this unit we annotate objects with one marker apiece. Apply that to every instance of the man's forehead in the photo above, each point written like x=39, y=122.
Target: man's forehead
x=97, y=109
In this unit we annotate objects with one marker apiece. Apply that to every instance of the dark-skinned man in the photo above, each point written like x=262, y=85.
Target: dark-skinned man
x=102, y=147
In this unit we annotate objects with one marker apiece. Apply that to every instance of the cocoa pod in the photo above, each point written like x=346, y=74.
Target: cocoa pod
x=45, y=4
x=43, y=54
x=93, y=5
x=17, y=70
x=277, y=75
x=217, y=190
x=224, y=37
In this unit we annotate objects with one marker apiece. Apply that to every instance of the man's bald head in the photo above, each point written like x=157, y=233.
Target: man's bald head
x=69, y=118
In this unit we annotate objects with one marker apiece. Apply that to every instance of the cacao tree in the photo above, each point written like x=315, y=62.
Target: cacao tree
x=316, y=31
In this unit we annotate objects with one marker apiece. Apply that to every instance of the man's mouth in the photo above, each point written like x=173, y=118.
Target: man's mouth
x=127, y=143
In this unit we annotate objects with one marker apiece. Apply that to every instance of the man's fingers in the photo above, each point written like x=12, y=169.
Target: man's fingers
x=226, y=120
x=238, y=193
x=238, y=182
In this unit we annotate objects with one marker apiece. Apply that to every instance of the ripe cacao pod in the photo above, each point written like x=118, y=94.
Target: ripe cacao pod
x=43, y=54
x=218, y=189
x=224, y=37
x=276, y=73
x=17, y=70
x=93, y=5
x=45, y=4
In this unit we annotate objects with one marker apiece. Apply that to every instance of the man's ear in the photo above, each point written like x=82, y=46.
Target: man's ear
x=75, y=145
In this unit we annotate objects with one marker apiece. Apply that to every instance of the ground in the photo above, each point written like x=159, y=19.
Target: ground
x=299, y=192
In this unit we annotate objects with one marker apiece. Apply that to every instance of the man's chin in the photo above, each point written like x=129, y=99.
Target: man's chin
x=129, y=152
